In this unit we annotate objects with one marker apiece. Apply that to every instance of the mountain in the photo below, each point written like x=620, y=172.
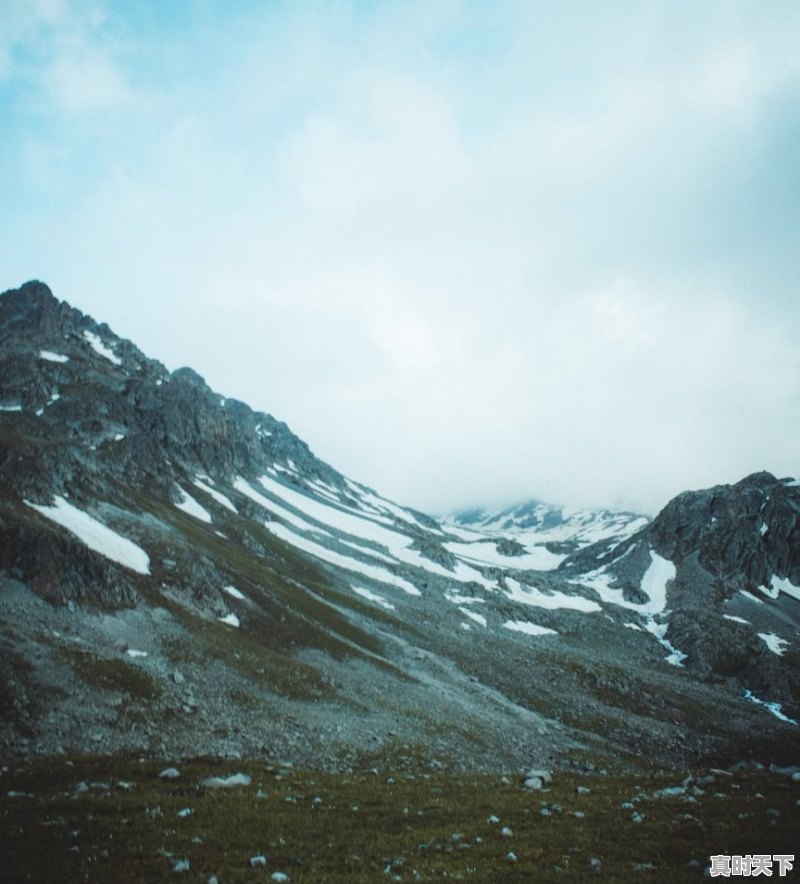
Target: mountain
x=182, y=575
x=562, y=527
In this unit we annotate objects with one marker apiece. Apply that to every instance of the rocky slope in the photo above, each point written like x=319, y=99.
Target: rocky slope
x=182, y=575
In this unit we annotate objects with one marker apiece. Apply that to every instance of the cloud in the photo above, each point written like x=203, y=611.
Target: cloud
x=468, y=257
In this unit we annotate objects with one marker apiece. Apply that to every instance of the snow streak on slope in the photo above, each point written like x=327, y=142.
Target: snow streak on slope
x=212, y=492
x=529, y=595
x=528, y=628
x=369, y=528
x=99, y=347
x=778, y=585
x=96, y=535
x=49, y=356
x=333, y=558
x=484, y=552
x=654, y=583
x=190, y=506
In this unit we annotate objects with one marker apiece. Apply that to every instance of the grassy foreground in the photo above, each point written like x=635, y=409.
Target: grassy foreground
x=115, y=820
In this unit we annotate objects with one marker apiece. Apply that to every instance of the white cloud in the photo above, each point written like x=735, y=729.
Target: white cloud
x=468, y=257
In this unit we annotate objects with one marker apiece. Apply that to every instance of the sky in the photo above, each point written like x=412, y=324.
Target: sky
x=470, y=252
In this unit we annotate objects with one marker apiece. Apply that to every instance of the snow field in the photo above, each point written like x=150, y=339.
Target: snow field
x=95, y=535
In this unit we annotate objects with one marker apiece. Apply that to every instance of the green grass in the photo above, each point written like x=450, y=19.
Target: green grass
x=319, y=827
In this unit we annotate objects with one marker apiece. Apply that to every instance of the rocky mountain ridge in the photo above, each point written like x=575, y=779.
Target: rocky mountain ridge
x=180, y=574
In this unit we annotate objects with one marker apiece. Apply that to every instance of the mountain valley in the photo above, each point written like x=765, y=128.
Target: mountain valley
x=182, y=575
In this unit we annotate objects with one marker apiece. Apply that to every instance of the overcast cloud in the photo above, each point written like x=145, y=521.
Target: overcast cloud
x=470, y=252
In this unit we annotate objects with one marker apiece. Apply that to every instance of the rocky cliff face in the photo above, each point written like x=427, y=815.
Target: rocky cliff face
x=734, y=596
x=180, y=573
x=744, y=534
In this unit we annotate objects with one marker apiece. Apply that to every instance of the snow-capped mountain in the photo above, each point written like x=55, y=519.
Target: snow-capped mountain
x=180, y=572
x=544, y=523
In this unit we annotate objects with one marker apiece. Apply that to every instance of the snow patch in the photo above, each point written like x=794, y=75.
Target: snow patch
x=484, y=552
x=49, y=356
x=529, y=595
x=464, y=600
x=377, y=530
x=340, y=561
x=99, y=347
x=190, y=506
x=474, y=615
x=774, y=708
x=96, y=535
x=659, y=630
x=528, y=628
x=778, y=585
x=230, y=619
x=373, y=597
x=736, y=619
x=775, y=643
x=233, y=592
x=654, y=583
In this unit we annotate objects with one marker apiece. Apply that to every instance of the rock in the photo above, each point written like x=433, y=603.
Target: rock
x=234, y=780
x=533, y=783
x=279, y=876
x=511, y=857
x=257, y=861
x=170, y=773
x=180, y=865
x=177, y=677
x=671, y=792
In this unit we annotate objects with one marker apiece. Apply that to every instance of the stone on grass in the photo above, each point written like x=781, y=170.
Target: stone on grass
x=257, y=861
x=237, y=779
x=536, y=778
x=170, y=773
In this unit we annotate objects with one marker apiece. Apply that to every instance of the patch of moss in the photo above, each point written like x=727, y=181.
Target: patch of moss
x=111, y=674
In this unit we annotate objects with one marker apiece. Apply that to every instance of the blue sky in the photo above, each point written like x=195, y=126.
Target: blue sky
x=470, y=252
